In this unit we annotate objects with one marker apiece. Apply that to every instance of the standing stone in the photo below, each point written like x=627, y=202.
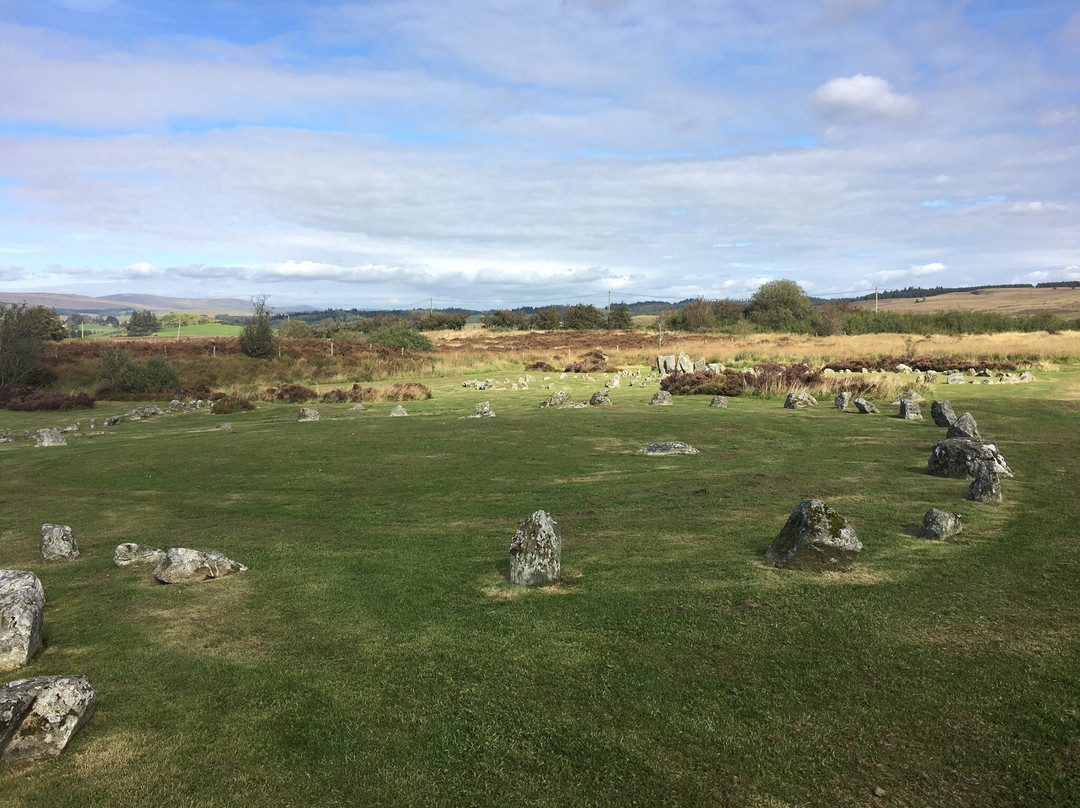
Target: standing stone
x=601, y=398
x=50, y=437
x=483, y=410
x=940, y=525
x=909, y=410
x=986, y=487
x=398, y=412
x=5, y=436
x=960, y=457
x=942, y=413
x=58, y=543
x=797, y=401
x=864, y=406
x=684, y=364
x=699, y=365
x=536, y=551
x=719, y=401
x=308, y=414
x=842, y=400
x=662, y=398
x=963, y=427
x=560, y=398
x=22, y=604
x=39, y=716
x=614, y=381
x=130, y=553
x=182, y=565
x=815, y=538
x=665, y=364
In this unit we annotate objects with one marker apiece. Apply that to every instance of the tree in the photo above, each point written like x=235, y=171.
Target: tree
x=398, y=334
x=142, y=324
x=782, y=306
x=547, y=319
x=618, y=318
x=583, y=317
x=296, y=329
x=699, y=315
x=24, y=330
x=257, y=339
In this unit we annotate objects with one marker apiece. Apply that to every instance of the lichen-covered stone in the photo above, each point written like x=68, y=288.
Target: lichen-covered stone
x=665, y=364
x=815, y=538
x=50, y=437
x=308, y=414
x=718, y=401
x=668, y=448
x=39, y=716
x=940, y=525
x=910, y=411
x=130, y=553
x=536, y=551
x=614, y=381
x=182, y=565
x=22, y=605
x=986, y=487
x=942, y=413
x=399, y=412
x=960, y=457
x=1027, y=376
x=58, y=543
x=864, y=406
x=483, y=410
x=684, y=364
x=955, y=378
x=601, y=398
x=797, y=401
x=662, y=398
x=5, y=436
x=963, y=427
x=842, y=400
x=560, y=398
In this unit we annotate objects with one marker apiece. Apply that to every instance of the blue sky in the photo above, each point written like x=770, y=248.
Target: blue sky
x=483, y=153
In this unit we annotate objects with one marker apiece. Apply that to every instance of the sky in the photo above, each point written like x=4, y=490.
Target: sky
x=501, y=153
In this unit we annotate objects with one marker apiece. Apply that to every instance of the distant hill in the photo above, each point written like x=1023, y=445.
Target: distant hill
x=123, y=304
x=1064, y=301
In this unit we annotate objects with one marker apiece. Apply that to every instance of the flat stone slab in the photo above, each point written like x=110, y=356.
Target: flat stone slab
x=671, y=447
x=40, y=716
x=129, y=553
x=183, y=565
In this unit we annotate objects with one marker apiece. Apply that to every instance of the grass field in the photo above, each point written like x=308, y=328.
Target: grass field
x=375, y=653
x=1065, y=301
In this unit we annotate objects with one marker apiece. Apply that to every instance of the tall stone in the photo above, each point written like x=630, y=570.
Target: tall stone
x=39, y=716
x=909, y=410
x=536, y=551
x=719, y=401
x=842, y=400
x=815, y=538
x=684, y=364
x=942, y=413
x=22, y=605
x=960, y=457
x=986, y=487
x=963, y=427
x=58, y=543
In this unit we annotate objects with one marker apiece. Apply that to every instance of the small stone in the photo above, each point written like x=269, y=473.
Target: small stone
x=358, y=407
x=1027, y=376
x=955, y=378
x=398, y=412
x=662, y=398
x=536, y=551
x=5, y=436
x=308, y=414
x=601, y=398
x=614, y=381
x=667, y=448
x=58, y=543
x=842, y=400
x=986, y=487
x=940, y=525
x=864, y=406
x=879, y=791
x=719, y=401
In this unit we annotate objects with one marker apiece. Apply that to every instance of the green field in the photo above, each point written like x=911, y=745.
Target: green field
x=375, y=654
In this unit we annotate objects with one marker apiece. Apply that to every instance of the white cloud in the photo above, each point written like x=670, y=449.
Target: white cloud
x=12, y=273
x=928, y=269
x=862, y=97
x=1037, y=207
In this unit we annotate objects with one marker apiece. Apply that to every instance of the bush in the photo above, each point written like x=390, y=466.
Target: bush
x=398, y=334
x=353, y=396
x=592, y=362
x=541, y=366
x=583, y=317
x=26, y=398
x=296, y=329
x=122, y=374
x=230, y=404
x=409, y=391
x=257, y=338
x=292, y=393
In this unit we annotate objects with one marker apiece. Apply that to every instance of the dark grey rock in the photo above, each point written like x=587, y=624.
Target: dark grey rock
x=22, y=605
x=58, y=543
x=719, y=401
x=864, y=406
x=668, y=448
x=960, y=458
x=940, y=525
x=560, y=398
x=842, y=400
x=536, y=551
x=963, y=427
x=815, y=538
x=684, y=364
x=986, y=487
x=39, y=716
x=662, y=398
x=1027, y=376
x=910, y=411
x=942, y=413
x=797, y=401
x=601, y=398
x=665, y=364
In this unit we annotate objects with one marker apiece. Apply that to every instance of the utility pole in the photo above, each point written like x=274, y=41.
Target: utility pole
x=431, y=306
x=608, y=302
x=875, y=299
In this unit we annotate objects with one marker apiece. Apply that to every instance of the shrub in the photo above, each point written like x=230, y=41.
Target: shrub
x=408, y=391
x=353, y=396
x=124, y=375
x=229, y=404
x=592, y=362
x=398, y=334
x=296, y=329
x=257, y=338
x=26, y=398
x=292, y=393
x=541, y=366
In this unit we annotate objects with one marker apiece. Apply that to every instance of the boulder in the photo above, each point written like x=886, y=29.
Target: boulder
x=942, y=413
x=684, y=364
x=113, y=420
x=308, y=414
x=665, y=364
x=50, y=437
x=864, y=406
x=39, y=716
x=182, y=565
x=668, y=448
x=909, y=410
x=560, y=398
x=483, y=410
x=797, y=401
x=662, y=398
x=176, y=405
x=398, y=412
x=536, y=551
x=940, y=525
x=960, y=458
x=601, y=398
x=908, y=395
x=5, y=436
x=719, y=401
x=931, y=376
x=147, y=411
x=842, y=401
x=130, y=553
x=963, y=427
x=955, y=378
x=1008, y=378
x=815, y=538
x=58, y=543
x=22, y=603
x=986, y=487
x=1027, y=376
x=612, y=382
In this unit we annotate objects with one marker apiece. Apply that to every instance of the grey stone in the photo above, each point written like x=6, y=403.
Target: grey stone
x=614, y=381
x=50, y=437
x=308, y=414
x=797, y=401
x=1009, y=378
x=39, y=716
x=93, y=423
x=1027, y=376
x=910, y=411
x=665, y=364
x=684, y=364
x=176, y=405
x=358, y=407
x=536, y=551
x=719, y=401
x=668, y=448
x=842, y=400
x=963, y=427
x=940, y=525
x=942, y=413
x=182, y=565
x=864, y=406
x=58, y=543
x=560, y=398
x=699, y=365
x=129, y=553
x=959, y=458
x=931, y=376
x=815, y=538
x=662, y=398
x=902, y=368
x=398, y=412
x=5, y=436
x=601, y=398
x=955, y=378
x=22, y=604
x=225, y=425
x=113, y=420
x=986, y=487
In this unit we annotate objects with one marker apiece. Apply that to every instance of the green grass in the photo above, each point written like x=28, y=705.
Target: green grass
x=203, y=330
x=375, y=654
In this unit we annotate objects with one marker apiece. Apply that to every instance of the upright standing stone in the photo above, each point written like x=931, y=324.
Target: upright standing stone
x=815, y=538
x=842, y=400
x=536, y=551
x=39, y=716
x=940, y=525
x=963, y=427
x=942, y=413
x=909, y=410
x=22, y=604
x=986, y=487
x=684, y=364
x=58, y=543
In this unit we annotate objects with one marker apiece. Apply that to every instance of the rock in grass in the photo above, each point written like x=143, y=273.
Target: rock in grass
x=942, y=413
x=39, y=716
x=22, y=604
x=864, y=406
x=842, y=400
x=668, y=448
x=483, y=410
x=536, y=551
x=798, y=401
x=614, y=381
x=130, y=553
x=963, y=427
x=815, y=538
x=955, y=378
x=182, y=565
x=399, y=412
x=560, y=398
x=308, y=414
x=960, y=457
x=662, y=398
x=50, y=437
x=601, y=398
x=684, y=364
x=910, y=411
x=719, y=401
x=58, y=543
x=665, y=364
x=940, y=525
x=986, y=487
x=1027, y=376
x=5, y=436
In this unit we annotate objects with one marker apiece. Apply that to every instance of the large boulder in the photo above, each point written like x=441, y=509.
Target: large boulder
x=50, y=437
x=942, y=413
x=684, y=364
x=910, y=411
x=864, y=406
x=986, y=487
x=940, y=525
x=842, y=400
x=22, y=603
x=667, y=448
x=39, y=716
x=601, y=398
x=560, y=398
x=129, y=553
x=58, y=543
x=182, y=565
x=960, y=457
x=797, y=401
x=662, y=398
x=963, y=427
x=815, y=538
x=536, y=551
x=308, y=414
x=665, y=364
